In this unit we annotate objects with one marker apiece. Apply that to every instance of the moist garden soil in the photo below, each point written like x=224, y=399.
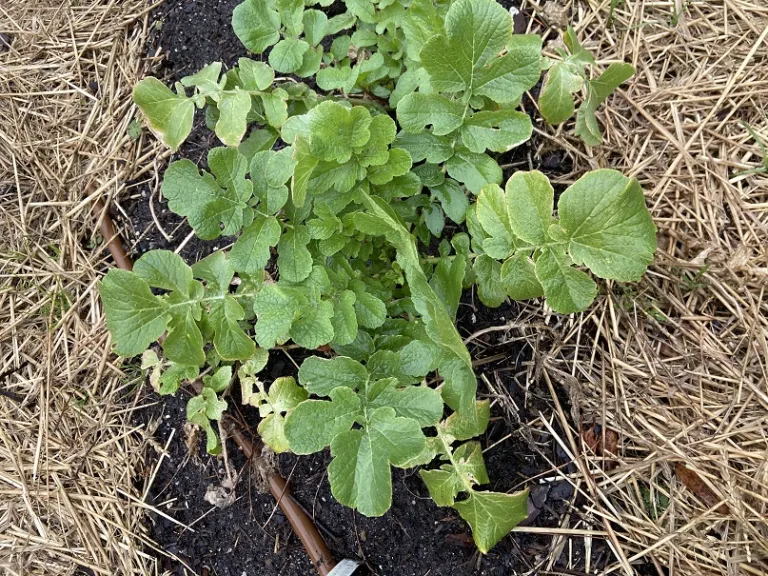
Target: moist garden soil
x=250, y=536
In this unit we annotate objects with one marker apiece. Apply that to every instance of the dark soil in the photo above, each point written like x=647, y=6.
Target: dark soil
x=415, y=538
x=194, y=33
x=5, y=42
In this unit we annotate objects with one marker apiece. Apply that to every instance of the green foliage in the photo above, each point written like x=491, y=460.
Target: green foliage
x=169, y=113
x=490, y=514
x=567, y=77
x=655, y=500
x=281, y=24
x=603, y=225
x=216, y=203
x=283, y=396
x=166, y=377
x=334, y=199
x=390, y=414
x=468, y=93
x=232, y=100
x=207, y=406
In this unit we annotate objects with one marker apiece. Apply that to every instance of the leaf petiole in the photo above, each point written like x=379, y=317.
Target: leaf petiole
x=446, y=442
x=214, y=298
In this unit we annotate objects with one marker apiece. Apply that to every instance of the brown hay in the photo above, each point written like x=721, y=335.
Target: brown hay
x=677, y=365
x=68, y=451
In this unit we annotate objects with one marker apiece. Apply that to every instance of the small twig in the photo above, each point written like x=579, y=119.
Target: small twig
x=225, y=454
x=492, y=446
x=205, y=514
x=167, y=237
x=504, y=327
x=184, y=242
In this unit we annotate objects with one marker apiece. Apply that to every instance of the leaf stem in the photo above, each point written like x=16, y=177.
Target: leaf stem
x=211, y=299
x=432, y=259
x=449, y=454
x=367, y=102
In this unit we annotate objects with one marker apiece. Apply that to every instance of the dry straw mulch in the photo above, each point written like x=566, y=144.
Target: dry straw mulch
x=68, y=451
x=675, y=368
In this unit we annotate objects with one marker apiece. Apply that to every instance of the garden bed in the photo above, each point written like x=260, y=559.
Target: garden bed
x=675, y=364
x=415, y=537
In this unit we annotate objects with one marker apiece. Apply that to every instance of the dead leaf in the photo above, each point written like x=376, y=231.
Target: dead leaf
x=695, y=484
x=555, y=15
x=701, y=257
x=604, y=445
x=740, y=258
x=219, y=496
x=191, y=438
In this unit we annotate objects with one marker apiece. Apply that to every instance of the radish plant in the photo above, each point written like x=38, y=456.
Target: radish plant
x=343, y=183
x=568, y=77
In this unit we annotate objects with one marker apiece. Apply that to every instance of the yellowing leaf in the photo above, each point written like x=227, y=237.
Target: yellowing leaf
x=284, y=395
x=233, y=110
x=492, y=515
x=169, y=115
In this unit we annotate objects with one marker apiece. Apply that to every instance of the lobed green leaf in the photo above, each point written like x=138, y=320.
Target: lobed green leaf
x=604, y=216
x=314, y=424
x=359, y=473
x=214, y=204
x=135, y=317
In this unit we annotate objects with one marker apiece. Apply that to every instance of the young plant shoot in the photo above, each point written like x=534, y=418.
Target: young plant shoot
x=344, y=185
